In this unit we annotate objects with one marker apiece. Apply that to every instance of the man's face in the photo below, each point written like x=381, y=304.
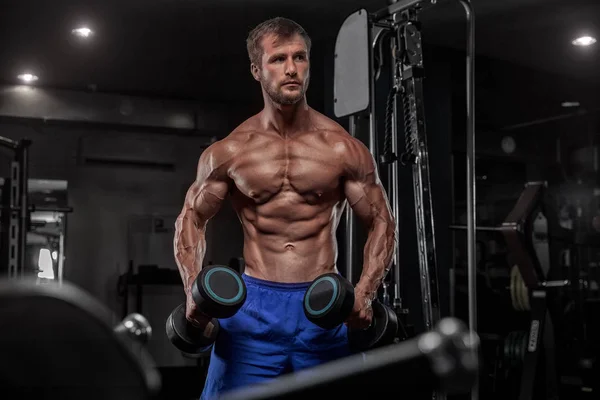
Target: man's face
x=284, y=70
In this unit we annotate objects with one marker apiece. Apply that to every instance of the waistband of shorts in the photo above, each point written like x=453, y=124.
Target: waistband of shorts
x=283, y=286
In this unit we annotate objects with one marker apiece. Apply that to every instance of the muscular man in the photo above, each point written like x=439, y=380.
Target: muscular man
x=288, y=171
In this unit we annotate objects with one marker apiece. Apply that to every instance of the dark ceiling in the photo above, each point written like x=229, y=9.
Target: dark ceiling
x=192, y=49
x=533, y=33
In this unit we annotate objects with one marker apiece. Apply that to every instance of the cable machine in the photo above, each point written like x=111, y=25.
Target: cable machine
x=357, y=67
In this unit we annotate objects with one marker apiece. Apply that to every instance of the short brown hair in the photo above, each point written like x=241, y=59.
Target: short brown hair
x=282, y=27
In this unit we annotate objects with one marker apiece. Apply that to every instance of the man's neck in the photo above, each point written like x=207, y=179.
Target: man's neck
x=286, y=119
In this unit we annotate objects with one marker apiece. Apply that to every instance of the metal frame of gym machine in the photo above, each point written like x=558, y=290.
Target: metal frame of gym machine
x=535, y=289
x=15, y=201
x=18, y=200
x=400, y=18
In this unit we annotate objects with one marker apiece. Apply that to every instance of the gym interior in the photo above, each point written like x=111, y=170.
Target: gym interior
x=482, y=117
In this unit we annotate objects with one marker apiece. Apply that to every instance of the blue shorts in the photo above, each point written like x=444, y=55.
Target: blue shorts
x=269, y=336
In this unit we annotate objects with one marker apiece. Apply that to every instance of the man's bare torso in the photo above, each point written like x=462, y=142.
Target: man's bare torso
x=288, y=193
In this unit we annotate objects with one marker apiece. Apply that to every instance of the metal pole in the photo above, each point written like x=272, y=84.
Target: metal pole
x=394, y=178
x=349, y=221
x=34, y=208
x=24, y=209
x=62, y=250
x=471, y=194
x=396, y=211
x=8, y=143
x=452, y=269
x=372, y=102
x=479, y=228
x=12, y=232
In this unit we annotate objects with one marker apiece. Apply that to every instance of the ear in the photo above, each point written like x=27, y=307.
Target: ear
x=255, y=71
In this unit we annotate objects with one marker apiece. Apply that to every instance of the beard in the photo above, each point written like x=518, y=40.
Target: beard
x=277, y=94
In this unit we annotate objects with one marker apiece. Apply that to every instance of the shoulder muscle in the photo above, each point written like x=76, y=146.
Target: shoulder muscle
x=357, y=160
x=212, y=182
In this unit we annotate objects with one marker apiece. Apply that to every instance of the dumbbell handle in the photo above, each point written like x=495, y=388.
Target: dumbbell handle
x=370, y=305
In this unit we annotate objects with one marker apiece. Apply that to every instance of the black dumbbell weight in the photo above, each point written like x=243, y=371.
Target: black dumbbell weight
x=328, y=302
x=218, y=292
x=381, y=332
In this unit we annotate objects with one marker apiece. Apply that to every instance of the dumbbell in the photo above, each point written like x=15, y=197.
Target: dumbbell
x=219, y=292
x=135, y=327
x=135, y=333
x=328, y=302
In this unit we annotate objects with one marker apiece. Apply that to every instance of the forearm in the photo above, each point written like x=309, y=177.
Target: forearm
x=378, y=253
x=189, y=247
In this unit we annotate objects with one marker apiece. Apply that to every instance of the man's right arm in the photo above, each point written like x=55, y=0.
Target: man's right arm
x=202, y=201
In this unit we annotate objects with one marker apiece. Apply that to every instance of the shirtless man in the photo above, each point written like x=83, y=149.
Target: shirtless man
x=288, y=171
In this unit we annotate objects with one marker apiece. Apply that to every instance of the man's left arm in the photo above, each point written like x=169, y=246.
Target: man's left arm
x=368, y=199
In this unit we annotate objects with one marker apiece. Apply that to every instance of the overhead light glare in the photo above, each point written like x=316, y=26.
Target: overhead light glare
x=28, y=78
x=83, y=32
x=584, y=41
x=568, y=104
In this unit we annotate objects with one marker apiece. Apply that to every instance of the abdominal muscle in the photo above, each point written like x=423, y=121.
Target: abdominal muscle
x=287, y=240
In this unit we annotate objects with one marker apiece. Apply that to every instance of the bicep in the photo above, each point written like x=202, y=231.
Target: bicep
x=367, y=198
x=208, y=191
x=205, y=197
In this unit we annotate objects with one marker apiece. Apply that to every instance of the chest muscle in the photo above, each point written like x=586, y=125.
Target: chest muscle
x=278, y=166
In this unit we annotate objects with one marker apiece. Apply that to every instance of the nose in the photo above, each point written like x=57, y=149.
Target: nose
x=291, y=69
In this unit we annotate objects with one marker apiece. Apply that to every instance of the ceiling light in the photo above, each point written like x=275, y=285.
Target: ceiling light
x=83, y=32
x=508, y=144
x=28, y=78
x=567, y=104
x=584, y=41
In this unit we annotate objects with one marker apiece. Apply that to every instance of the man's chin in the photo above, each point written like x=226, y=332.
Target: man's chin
x=288, y=100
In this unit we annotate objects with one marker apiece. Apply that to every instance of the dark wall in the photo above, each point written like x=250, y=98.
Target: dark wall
x=107, y=198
